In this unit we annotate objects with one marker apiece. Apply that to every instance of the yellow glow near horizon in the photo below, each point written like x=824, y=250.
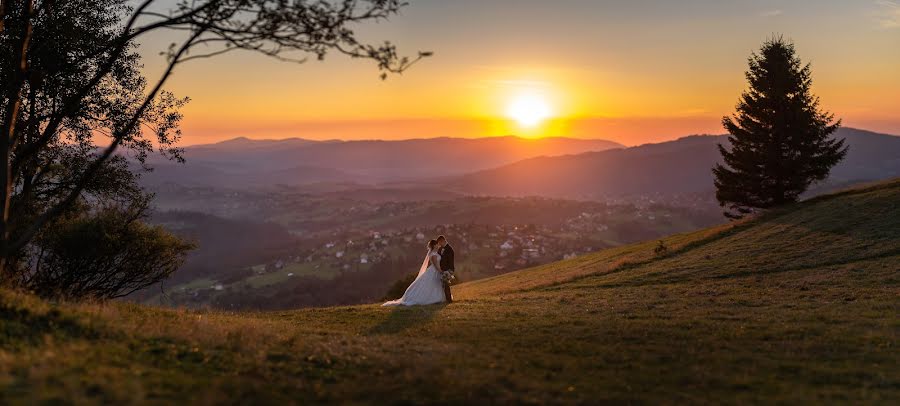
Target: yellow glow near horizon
x=625, y=91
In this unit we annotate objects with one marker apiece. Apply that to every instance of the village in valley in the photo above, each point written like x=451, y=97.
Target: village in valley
x=383, y=241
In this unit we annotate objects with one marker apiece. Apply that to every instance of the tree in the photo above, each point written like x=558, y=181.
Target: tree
x=780, y=140
x=72, y=88
x=58, y=67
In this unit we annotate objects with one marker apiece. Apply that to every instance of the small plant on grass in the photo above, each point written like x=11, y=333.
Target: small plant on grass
x=661, y=249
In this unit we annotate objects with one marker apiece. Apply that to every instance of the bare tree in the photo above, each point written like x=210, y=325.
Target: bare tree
x=289, y=30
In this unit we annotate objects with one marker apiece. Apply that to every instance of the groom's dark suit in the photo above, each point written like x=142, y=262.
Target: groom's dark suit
x=447, y=264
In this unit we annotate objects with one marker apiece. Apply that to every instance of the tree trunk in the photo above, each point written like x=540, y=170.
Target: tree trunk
x=10, y=118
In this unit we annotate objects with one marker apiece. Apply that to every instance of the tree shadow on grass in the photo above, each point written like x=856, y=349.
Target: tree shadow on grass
x=402, y=318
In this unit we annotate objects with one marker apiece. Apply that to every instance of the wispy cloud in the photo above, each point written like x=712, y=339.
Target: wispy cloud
x=772, y=13
x=888, y=15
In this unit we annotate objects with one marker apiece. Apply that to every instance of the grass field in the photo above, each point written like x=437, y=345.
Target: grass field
x=798, y=306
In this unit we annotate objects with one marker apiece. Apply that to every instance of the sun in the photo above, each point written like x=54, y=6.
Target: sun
x=529, y=110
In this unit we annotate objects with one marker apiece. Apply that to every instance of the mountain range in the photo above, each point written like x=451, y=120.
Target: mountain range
x=242, y=162
x=674, y=167
x=501, y=166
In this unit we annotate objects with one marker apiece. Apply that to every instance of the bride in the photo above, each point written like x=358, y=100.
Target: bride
x=427, y=288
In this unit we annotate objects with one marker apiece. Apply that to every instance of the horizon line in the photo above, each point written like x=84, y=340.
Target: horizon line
x=524, y=138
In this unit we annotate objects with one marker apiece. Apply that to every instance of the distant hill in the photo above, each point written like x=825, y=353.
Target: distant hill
x=242, y=162
x=680, y=166
x=797, y=306
x=223, y=245
x=222, y=176
x=241, y=144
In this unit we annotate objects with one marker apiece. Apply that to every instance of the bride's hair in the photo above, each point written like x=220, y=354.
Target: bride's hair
x=431, y=244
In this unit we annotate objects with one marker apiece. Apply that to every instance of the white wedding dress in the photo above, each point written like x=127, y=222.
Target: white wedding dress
x=427, y=288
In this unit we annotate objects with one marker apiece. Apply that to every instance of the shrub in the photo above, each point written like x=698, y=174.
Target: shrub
x=399, y=288
x=661, y=249
x=101, y=253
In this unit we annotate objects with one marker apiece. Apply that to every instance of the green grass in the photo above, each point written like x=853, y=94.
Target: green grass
x=798, y=306
x=280, y=276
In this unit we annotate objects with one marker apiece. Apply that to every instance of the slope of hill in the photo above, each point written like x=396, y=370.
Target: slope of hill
x=675, y=167
x=797, y=306
x=243, y=162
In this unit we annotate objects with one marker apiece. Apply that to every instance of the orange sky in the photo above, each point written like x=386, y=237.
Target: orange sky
x=628, y=71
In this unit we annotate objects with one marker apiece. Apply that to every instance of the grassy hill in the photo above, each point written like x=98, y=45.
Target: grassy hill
x=800, y=305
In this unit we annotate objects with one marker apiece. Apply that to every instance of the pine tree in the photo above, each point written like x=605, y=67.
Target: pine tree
x=780, y=140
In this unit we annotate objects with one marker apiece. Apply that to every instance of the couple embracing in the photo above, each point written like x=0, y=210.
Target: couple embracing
x=432, y=284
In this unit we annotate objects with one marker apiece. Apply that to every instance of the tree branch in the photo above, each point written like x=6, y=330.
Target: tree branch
x=92, y=169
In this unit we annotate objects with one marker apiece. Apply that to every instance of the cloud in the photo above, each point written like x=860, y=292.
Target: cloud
x=772, y=13
x=889, y=14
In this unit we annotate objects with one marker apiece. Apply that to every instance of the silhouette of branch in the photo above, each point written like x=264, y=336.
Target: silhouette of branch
x=269, y=27
x=41, y=220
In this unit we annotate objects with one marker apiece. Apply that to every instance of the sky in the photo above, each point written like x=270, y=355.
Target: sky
x=634, y=71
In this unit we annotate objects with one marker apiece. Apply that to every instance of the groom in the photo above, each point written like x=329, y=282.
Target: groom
x=446, y=252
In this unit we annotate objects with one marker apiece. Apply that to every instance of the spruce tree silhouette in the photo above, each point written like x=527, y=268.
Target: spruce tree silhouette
x=780, y=140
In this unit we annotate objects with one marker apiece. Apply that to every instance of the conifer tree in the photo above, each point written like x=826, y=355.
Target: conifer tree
x=780, y=139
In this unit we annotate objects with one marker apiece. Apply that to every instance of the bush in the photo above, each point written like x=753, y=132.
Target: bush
x=101, y=253
x=399, y=288
x=661, y=249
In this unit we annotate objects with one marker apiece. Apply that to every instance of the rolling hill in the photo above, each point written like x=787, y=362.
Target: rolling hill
x=675, y=167
x=796, y=306
x=243, y=162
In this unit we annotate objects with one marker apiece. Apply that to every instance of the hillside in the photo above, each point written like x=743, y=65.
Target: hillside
x=799, y=305
x=675, y=167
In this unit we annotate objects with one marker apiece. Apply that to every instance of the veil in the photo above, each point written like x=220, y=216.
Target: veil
x=424, y=263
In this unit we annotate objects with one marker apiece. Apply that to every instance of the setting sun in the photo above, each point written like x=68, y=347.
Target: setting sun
x=529, y=110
